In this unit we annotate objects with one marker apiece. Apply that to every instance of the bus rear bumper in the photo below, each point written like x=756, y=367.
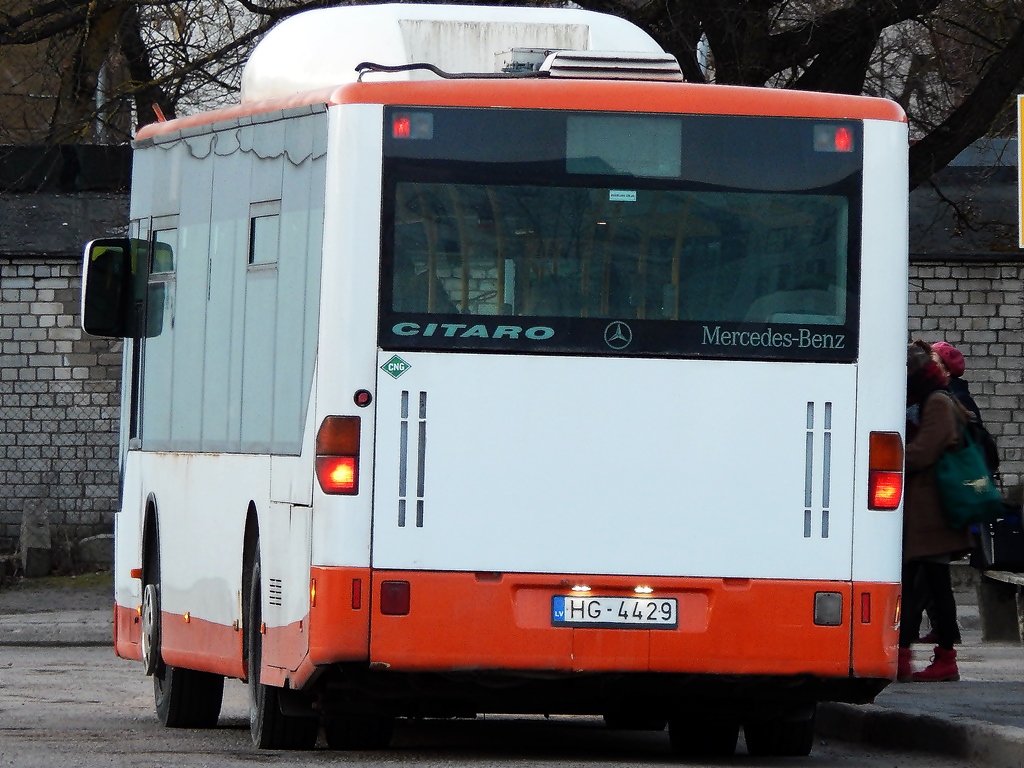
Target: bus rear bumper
x=468, y=622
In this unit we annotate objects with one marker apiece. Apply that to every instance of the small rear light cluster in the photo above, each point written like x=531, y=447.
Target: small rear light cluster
x=337, y=455
x=394, y=598
x=885, y=470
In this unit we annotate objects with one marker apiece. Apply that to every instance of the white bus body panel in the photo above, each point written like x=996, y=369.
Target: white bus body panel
x=883, y=337
x=201, y=503
x=348, y=325
x=662, y=467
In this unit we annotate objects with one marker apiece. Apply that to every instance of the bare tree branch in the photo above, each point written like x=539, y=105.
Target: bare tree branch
x=975, y=114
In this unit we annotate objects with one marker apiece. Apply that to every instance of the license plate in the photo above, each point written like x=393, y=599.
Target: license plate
x=618, y=612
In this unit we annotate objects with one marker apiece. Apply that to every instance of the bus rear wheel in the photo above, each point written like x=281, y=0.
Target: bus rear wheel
x=782, y=737
x=695, y=736
x=358, y=731
x=269, y=726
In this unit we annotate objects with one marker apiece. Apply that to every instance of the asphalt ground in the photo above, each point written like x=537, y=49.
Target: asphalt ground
x=980, y=718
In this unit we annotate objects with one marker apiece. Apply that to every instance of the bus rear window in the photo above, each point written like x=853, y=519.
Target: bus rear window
x=569, y=258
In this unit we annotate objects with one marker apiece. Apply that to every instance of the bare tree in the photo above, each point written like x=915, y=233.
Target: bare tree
x=109, y=64
x=954, y=65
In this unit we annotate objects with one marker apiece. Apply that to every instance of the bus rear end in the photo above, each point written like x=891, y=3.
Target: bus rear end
x=635, y=439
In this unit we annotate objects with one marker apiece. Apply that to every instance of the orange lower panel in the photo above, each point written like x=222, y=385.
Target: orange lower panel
x=726, y=626
x=285, y=647
x=875, y=632
x=339, y=619
x=201, y=645
x=127, y=633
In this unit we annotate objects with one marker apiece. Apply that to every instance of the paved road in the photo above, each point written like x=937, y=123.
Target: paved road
x=81, y=706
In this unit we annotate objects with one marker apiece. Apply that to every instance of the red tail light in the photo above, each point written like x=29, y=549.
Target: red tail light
x=885, y=470
x=337, y=455
x=885, y=489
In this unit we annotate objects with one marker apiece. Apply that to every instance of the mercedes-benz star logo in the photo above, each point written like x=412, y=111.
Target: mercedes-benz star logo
x=618, y=335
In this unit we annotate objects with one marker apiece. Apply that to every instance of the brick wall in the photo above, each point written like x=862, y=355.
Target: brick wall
x=59, y=400
x=978, y=307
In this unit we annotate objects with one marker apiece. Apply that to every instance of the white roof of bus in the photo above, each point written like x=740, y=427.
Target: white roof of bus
x=321, y=48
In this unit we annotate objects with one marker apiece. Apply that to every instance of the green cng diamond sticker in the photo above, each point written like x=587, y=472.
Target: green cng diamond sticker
x=395, y=367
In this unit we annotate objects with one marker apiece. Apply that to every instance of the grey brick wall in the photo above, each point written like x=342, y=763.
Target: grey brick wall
x=978, y=307
x=59, y=401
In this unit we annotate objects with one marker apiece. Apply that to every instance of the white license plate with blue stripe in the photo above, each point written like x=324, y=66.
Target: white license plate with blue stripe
x=617, y=612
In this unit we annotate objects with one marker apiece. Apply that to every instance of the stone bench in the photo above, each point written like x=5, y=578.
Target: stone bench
x=1001, y=606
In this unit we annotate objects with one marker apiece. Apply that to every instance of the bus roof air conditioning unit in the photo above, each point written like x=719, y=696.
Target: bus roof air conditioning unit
x=613, y=65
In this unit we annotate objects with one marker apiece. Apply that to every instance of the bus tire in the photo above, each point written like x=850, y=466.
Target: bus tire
x=694, y=736
x=186, y=698
x=782, y=737
x=269, y=727
x=359, y=731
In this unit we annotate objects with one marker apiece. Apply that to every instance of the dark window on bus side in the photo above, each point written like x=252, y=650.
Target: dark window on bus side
x=264, y=232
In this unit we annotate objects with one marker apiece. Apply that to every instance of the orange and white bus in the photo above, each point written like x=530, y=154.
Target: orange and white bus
x=475, y=363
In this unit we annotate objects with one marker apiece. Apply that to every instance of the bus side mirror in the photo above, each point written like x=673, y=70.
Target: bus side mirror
x=107, y=289
x=115, y=276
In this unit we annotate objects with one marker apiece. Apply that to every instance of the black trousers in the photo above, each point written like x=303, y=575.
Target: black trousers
x=925, y=581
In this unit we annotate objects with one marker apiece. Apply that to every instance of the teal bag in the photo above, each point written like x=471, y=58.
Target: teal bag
x=969, y=495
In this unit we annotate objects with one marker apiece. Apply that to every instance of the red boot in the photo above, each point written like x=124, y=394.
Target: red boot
x=942, y=668
x=904, y=669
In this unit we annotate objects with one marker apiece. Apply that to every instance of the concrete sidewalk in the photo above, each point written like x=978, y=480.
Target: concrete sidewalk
x=980, y=718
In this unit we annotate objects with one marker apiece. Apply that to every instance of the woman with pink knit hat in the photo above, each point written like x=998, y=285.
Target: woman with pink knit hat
x=952, y=361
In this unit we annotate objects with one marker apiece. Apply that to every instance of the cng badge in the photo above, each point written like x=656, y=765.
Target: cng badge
x=395, y=367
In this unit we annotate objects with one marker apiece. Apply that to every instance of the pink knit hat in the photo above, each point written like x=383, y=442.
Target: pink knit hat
x=952, y=358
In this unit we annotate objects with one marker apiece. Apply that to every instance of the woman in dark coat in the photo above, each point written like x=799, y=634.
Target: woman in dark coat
x=929, y=544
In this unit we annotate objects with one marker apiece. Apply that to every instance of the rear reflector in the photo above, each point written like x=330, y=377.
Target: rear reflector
x=885, y=470
x=337, y=455
x=394, y=598
x=865, y=608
